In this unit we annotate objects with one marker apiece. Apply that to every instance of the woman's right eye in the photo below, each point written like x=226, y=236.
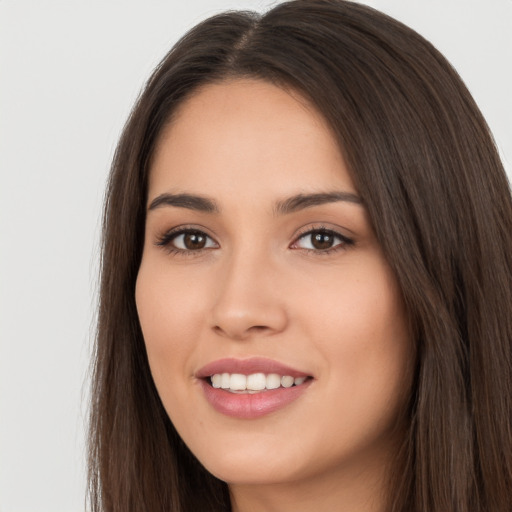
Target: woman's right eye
x=186, y=240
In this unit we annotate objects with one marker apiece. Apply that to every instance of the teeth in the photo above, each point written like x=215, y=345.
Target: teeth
x=217, y=380
x=224, y=381
x=238, y=382
x=273, y=381
x=254, y=382
x=287, y=381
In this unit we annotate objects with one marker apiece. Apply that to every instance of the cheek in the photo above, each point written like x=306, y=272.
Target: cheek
x=168, y=321
x=361, y=329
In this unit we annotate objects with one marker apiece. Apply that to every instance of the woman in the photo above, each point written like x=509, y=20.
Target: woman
x=306, y=286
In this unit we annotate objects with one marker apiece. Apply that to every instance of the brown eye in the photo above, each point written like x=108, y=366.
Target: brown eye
x=194, y=241
x=321, y=240
x=187, y=240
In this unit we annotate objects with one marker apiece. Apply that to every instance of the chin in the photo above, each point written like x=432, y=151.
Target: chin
x=244, y=471
x=250, y=461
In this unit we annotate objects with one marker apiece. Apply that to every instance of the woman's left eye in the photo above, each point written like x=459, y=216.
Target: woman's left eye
x=321, y=240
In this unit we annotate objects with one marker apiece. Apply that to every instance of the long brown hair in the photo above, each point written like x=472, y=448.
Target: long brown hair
x=426, y=167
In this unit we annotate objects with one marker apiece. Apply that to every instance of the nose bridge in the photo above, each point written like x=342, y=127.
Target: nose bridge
x=248, y=300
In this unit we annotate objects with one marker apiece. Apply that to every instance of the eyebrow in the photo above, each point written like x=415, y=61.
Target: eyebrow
x=303, y=201
x=188, y=201
x=282, y=207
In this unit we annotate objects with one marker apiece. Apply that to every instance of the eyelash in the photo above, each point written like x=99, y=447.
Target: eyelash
x=165, y=241
x=344, y=243
x=167, y=238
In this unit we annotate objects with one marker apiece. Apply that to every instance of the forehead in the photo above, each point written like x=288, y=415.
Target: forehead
x=247, y=133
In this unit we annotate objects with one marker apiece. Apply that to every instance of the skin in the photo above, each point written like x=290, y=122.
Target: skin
x=260, y=288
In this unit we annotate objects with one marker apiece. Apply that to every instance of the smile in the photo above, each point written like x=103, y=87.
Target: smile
x=254, y=383
x=251, y=388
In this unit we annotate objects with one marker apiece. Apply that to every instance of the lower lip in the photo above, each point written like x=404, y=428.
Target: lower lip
x=254, y=405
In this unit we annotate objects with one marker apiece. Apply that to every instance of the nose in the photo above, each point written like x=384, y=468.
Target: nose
x=248, y=303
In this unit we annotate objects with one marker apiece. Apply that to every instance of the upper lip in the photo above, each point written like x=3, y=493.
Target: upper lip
x=247, y=367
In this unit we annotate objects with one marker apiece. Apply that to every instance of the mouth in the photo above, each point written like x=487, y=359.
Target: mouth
x=251, y=388
x=253, y=383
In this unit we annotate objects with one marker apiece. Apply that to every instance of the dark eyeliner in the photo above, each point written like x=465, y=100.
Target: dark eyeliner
x=165, y=240
x=346, y=241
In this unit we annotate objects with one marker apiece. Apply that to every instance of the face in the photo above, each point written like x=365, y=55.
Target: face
x=274, y=328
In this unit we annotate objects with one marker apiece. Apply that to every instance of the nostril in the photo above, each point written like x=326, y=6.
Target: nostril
x=238, y=316
x=240, y=332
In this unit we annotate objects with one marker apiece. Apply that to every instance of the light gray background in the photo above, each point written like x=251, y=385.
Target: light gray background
x=69, y=73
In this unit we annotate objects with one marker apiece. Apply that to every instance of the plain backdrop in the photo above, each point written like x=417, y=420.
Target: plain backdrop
x=69, y=73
